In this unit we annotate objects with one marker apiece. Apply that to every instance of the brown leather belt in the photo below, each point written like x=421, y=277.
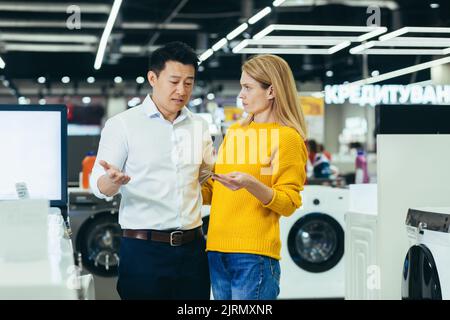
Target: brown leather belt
x=174, y=238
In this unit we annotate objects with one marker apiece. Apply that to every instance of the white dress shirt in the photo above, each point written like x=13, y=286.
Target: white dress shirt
x=166, y=162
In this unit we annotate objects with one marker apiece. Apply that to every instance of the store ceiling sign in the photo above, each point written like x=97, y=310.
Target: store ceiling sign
x=373, y=95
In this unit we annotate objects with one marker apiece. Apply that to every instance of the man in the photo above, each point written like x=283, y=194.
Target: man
x=156, y=155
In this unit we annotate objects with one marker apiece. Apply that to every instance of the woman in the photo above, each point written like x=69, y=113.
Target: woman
x=260, y=170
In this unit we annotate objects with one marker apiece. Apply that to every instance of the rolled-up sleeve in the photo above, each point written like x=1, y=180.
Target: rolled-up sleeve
x=289, y=173
x=113, y=148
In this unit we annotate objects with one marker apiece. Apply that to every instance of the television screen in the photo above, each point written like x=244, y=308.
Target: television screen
x=33, y=151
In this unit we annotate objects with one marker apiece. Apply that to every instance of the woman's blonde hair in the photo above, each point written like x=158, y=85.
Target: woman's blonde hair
x=271, y=70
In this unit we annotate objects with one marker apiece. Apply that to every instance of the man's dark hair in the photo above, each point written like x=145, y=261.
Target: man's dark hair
x=173, y=51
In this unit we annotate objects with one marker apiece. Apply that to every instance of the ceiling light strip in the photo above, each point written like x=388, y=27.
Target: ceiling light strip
x=393, y=34
x=371, y=34
x=295, y=27
x=52, y=7
x=261, y=14
x=429, y=29
x=277, y=3
x=401, y=72
x=233, y=34
x=205, y=55
x=48, y=47
x=311, y=41
x=403, y=52
x=241, y=45
x=43, y=37
x=219, y=44
x=339, y=47
x=108, y=28
x=264, y=32
x=2, y=63
x=362, y=47
x=283, y=51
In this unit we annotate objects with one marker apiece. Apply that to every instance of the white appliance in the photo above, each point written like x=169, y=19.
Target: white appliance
x=362, y=281
x=312, y=263
x=425, y=270
x=36, y=255
x=96, y=236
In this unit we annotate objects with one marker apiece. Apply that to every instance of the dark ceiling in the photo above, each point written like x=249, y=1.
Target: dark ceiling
x=207, y=22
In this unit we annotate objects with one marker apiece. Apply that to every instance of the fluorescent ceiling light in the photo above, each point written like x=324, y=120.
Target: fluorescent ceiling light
x=2, y=63
x=108, y=28
x=330, y=39
x=277, y=3
x=240, y=46
x=403, y=51
x=233, y=34
x=414, y=42
x=446, y=51
x=362, y=47
x=205, y=55
x=52, y=7
x=393, y=34
x=46, y=24
x=339, y=47
x=372, y=34
x=283, y=51
x=138, y=50
x=296, y=27
x=401, y=72
x=429, y=29
x=165, y=26
x=219, y=44
x=48, y=47
x=300, y=41
x=125, y=49
x=261, y=14
x=264, y=32
x=8, y=23
x=392, y=5
x=42, y=37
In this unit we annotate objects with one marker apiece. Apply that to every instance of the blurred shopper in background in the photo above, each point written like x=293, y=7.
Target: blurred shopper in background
x=260, y=171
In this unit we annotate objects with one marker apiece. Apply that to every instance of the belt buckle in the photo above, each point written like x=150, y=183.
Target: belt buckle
x=175, y=238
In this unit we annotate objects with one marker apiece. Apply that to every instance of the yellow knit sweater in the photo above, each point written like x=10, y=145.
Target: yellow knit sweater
x=239, y=222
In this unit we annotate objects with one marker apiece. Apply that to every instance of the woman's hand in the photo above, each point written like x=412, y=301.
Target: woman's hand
x=239, y=180
x=234, y=180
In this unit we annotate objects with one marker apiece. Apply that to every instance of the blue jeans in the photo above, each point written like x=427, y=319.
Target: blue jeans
x=242, y=276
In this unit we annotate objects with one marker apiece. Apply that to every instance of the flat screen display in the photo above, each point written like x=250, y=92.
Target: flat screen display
x=33, y=151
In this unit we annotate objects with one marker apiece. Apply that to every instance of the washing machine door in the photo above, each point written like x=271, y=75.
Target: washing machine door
x=420, y=276
x=98, y=241
x=316, y=242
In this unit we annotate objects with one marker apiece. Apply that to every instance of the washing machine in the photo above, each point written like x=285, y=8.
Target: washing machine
x=312, y=239
x=96, y=236
x=426, y=273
